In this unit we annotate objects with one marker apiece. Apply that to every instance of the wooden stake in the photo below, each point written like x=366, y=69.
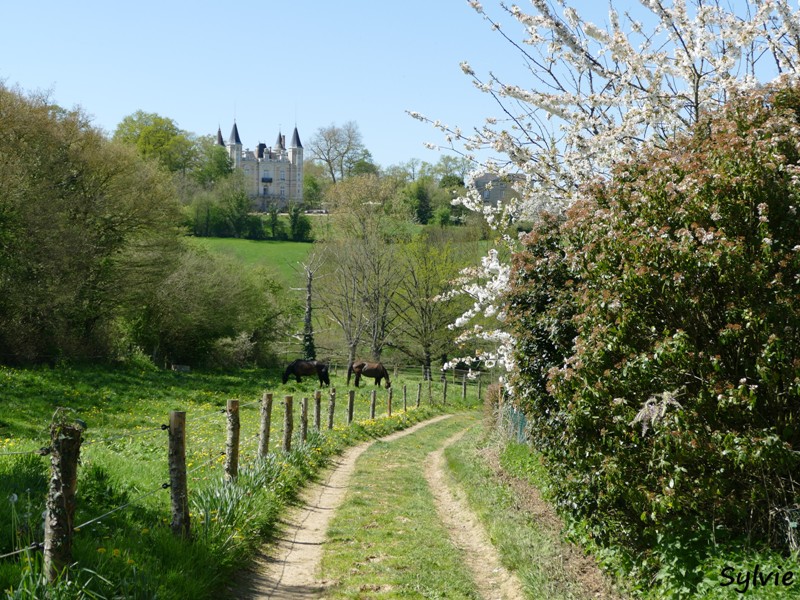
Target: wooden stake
x=65, y=445
x=288, y=423
x=266, y=423
x=232, y=443
x=177, y=474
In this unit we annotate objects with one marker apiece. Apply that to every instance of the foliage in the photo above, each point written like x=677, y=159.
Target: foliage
x=159, y=138
x=207, y=299
x=85, y=224
x=299, y=224
x=658, y=332
x=429, y=268
x=591, y=94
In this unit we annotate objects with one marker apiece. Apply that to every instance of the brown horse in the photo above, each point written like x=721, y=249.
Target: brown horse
x=376, y=370
x=307, y=367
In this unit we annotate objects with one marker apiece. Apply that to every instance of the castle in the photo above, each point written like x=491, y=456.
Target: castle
x=272, y=174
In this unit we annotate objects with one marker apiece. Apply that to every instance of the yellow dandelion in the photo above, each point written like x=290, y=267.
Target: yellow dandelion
x=101, y=550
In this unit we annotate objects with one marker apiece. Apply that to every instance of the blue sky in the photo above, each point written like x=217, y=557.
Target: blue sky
x=269, y=65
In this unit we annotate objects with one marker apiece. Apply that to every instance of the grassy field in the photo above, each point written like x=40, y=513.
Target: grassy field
x=281, y=258
x=124, y=547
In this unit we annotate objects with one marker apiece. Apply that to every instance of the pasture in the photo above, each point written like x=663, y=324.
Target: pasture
x=123, y=545
x=279, y=258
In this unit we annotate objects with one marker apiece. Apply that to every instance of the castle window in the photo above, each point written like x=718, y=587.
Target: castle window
x=283, y=174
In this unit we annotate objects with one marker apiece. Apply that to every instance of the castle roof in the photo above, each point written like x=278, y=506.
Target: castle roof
x=235, y=139
x=279, y=144
x=296, y=140
x=220, y=142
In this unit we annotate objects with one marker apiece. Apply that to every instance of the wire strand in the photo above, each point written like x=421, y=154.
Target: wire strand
x=163, y=486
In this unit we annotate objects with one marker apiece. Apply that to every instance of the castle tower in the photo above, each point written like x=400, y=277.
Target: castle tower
x=295, y=152
x=235, y=147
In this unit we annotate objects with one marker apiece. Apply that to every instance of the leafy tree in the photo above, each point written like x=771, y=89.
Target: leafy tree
x=299, y=224
x=363, y=164
x=422, y=299
x=206, y=299
x=212, y=162
x=157, y=138
x=598, y=94
x=85, y=223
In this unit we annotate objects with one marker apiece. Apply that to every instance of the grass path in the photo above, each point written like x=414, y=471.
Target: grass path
x=491, y=577
x=386, y=540
x=289, y=570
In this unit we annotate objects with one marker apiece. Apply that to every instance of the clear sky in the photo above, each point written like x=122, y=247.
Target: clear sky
x=270, y=65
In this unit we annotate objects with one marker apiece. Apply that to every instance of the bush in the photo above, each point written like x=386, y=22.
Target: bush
x=658, y=333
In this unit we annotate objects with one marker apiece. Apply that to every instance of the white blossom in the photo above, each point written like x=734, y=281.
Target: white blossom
x=597, y=94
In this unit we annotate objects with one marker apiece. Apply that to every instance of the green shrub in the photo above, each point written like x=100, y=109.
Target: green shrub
x=658, y=332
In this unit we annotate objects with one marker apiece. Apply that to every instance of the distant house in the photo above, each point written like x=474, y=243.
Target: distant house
x=273, y=174
x=494, y=188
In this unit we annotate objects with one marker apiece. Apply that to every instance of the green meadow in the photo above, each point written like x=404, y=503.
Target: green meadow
x=282, y=259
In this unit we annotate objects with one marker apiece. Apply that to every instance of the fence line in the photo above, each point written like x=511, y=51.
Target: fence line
x=177, y=454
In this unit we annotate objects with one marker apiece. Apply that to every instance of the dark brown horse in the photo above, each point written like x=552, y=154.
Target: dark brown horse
x=307, y=367
x=376, y=370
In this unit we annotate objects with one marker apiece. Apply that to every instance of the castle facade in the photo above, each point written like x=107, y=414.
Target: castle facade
x=273, y=174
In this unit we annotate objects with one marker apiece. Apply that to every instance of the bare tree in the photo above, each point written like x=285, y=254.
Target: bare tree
x=340, y=298
x=336, y=147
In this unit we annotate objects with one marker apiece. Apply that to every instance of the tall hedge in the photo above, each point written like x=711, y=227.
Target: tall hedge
x=658, y=329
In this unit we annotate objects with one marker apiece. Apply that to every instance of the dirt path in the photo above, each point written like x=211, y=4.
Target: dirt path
x=289, y=569
x=491, y=578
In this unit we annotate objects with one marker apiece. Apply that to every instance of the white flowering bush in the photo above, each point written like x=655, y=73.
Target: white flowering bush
x=595, y=95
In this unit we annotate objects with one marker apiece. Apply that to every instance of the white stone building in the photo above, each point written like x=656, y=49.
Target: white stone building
x=273, y=174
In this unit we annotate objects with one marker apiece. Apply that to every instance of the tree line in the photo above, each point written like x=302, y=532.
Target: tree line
x=95, y=264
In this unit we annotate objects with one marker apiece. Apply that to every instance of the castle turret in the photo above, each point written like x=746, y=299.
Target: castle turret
x=235, y=147
x=295, y=155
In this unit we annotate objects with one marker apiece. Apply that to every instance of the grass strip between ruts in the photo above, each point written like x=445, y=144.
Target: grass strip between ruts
x=386, y=539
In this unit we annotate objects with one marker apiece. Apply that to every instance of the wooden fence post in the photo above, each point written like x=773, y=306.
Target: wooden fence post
x=430, y=391
x=331, y=408
x=266, y=423
x=288, y=423
x=405, y=403
x=444, y=391
x=65, y=446
x=464, y=388
x=350, y=405
x=373, y=395
x=419, y=392
x=389, y=403
x=317, y=408
x=304, y=420
x=480, y=383
x=179, y=495
x=232, y=443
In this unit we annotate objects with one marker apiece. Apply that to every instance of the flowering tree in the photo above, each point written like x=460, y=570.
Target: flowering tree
x=597, y=94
